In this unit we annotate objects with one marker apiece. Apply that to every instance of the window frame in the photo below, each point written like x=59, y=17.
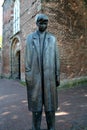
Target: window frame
x=16, y=18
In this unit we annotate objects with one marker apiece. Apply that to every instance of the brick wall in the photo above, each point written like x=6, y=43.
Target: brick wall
x=7, y=28
x=28, y=10
x=68, y=21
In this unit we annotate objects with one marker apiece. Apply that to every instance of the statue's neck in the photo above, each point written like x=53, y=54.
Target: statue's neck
x=41, y=32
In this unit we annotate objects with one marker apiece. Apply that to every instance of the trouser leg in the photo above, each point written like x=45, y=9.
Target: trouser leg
x=50, y=118
x=36, y=120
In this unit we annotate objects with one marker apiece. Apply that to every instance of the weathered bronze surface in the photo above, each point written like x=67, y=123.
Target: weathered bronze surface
x=42, y=73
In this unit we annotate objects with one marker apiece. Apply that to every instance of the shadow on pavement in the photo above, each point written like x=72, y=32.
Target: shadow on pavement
x=14, y=114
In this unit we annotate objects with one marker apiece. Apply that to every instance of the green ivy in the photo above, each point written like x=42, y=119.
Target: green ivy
x=85, y=2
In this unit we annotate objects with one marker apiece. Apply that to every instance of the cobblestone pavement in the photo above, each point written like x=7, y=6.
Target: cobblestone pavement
x=14, y=114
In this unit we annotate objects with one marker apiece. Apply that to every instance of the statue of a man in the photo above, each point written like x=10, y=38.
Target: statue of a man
x=42, y=73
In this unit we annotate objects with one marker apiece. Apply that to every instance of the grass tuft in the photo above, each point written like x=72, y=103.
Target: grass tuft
x=73, y=82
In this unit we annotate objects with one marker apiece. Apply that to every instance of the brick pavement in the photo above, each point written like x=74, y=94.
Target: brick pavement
x=14, y=114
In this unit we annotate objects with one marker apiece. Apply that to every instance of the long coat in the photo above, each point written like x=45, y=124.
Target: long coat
x=51, y=70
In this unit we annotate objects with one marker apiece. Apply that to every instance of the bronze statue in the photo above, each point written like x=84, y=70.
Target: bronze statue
x=42, y=73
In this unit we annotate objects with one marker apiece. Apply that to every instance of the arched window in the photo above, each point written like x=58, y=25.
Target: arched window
x=16, y=19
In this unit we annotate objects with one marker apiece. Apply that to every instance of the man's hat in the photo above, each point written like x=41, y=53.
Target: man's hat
x=41, y=17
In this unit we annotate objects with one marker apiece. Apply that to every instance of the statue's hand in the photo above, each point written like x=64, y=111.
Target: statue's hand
x=57, y=83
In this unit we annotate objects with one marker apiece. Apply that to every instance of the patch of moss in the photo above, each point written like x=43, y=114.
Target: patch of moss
x=23, y=83
x=85, y=2
x=65, y=84
x=73, y=82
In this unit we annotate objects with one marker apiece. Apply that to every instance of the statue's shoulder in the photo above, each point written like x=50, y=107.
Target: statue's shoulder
x=50, y=35
x=29, y=36
x=32, y=35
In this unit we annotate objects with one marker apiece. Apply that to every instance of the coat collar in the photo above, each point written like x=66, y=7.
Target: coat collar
x=35, y=35
x=36, y=40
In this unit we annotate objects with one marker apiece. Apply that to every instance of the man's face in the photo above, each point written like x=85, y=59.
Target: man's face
x=42, y=25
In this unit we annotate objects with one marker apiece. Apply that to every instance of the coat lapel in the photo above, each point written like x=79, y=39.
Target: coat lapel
x=37, y=46
x=36, y=42
x=46, y=43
